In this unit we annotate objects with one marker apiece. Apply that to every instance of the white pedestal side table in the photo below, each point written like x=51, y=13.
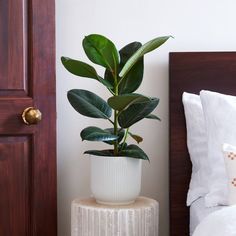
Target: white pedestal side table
x=89, y=218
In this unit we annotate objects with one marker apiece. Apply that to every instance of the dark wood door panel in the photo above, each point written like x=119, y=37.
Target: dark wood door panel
x=13, y=47
x=27, y=152
x=15, y=181
x=10, y=120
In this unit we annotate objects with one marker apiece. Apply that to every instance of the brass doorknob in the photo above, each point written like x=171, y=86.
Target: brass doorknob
x=31, y=116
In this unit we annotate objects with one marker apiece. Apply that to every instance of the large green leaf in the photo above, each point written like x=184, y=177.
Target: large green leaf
x=122, y=102
x=93, y=133
x=153, y=117
x=100, y=50
x=134, y=151
x=79, y=68
x=133, y=79
x=136, y=112
x=83, y=69
x=89, y=104
x=147, y=47
x=108, y=76
x=120, y=134
x=100, y=152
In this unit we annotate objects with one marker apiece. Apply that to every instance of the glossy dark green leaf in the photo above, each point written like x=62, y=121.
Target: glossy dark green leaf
x=79, y=68
x=123, y=101
x=100, y=50
x=121, y=134
x=100, y=152
x=136, y=137
x=83, y=69
x=133, y=79
x=108, y=76
x=89, y=104
x=134, y=151
x=153, y=117
x=147, y=47
x=136, y=112
x=93, y=133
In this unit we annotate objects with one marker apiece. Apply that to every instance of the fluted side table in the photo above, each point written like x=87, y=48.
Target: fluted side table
x=89, y=218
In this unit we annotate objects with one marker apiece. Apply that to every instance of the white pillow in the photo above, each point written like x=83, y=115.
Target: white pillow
x=197, y=146
x=220, y=118
x=230, y=163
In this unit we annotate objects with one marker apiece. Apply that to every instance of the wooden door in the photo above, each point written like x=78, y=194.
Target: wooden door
x=27, y=152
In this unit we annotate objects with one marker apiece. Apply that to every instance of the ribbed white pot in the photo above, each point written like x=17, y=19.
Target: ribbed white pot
x=115, y=180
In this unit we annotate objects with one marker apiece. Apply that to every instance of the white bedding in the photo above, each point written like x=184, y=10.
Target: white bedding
x=198, y=212
x=218, y=223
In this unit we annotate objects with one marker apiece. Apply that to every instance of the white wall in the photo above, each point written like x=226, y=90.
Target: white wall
x=197, y=26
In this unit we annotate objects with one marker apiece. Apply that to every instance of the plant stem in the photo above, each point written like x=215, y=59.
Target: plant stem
x=116, y=133
x=115, y=115
x=126, y=135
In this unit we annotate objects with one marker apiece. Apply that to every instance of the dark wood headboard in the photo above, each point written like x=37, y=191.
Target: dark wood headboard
x=191, y=72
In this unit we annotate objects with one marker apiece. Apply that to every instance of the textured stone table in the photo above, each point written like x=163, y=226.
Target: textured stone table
x=89, y=218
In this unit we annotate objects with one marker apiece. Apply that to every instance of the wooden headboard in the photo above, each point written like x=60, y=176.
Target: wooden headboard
x=191, y=72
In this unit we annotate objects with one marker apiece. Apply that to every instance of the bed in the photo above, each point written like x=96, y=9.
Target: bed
x=191, y=72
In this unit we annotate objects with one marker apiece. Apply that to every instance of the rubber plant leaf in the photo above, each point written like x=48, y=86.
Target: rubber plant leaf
x=153, y=117
x=102, y=51
x=147, y=47
x=133, y=79
x=89, y=104
x=100, y=152
x=134, y=151
x=83, y=69
x=120, y=134
x=122, y=102
x=137, y=112
x=136, y=137
x=93, y=133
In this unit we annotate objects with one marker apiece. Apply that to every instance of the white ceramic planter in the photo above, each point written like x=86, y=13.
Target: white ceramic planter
x=115, y=180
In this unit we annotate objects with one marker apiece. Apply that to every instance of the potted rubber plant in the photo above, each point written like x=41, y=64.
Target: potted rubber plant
x=115, y=171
